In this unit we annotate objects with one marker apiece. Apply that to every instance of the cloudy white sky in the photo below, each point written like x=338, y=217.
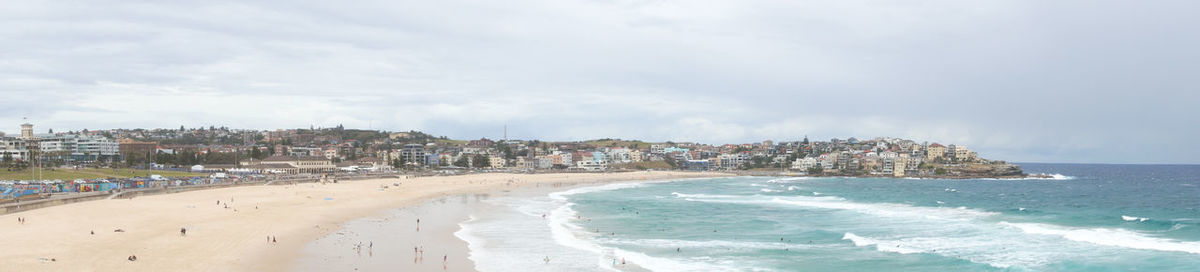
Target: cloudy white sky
x=1035, y=81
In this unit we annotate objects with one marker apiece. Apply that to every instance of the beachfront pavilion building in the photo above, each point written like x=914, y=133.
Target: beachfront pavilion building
x=293, y=164
x=132, y=148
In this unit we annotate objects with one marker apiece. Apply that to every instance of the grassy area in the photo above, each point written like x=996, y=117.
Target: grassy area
x=619, y=143
x=446, y=142
x=90, y=173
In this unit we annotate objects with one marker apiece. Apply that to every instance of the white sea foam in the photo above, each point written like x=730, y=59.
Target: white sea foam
x=1134, y=218
x=884, y=209
x=564, y=232
x=491, y=236
x=682, y=195
x=688, y=244
x=837, y=203
x=787, y=180
x=1054, y=176
x=518, y=223
x=881, y=246
x=977, y=247
x=475, y=244
x=615, y=186
x=665, y=264
x=769, y=191
x=1109, y=237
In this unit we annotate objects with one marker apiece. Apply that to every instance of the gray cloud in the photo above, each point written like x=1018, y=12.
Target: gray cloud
x=1065, y=81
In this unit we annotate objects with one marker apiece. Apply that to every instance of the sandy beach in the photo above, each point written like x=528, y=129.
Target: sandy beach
x=232, y=235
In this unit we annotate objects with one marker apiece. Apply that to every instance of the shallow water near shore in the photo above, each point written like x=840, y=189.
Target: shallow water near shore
x=397, y=241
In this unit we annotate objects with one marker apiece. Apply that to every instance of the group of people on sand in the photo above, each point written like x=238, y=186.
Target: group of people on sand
x=418, y=254
x=271, y=239
x=21, y=220
x=370, y=248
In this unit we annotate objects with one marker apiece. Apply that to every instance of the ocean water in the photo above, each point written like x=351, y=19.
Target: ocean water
x=1086, y=218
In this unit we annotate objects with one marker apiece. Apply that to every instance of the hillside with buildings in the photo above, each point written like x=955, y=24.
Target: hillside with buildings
x=326, y=150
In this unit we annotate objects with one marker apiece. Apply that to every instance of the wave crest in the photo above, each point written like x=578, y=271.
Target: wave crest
x=1134, y=218
x=1109, y=237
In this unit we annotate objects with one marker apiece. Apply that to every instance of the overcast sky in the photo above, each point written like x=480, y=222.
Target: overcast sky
x=1033, y=81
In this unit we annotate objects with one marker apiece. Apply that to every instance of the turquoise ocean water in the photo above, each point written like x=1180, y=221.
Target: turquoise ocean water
x=1087, y=218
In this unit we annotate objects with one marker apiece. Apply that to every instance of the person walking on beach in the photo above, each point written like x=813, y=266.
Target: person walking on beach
x=182, y=231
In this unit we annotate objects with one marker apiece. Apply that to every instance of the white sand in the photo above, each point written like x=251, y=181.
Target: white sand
x=234, y=238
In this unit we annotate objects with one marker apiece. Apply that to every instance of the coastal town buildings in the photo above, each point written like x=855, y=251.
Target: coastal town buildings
x=326, y=150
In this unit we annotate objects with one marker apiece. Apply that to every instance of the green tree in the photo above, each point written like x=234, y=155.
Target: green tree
x=480, y=161
x=463, y=161
x=670, y=160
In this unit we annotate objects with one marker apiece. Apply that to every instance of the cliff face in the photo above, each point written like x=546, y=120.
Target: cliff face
x=984, y=171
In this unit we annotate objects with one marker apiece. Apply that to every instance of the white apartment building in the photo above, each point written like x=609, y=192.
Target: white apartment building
x=93, y=147
x=591, y=165
x=13, y=148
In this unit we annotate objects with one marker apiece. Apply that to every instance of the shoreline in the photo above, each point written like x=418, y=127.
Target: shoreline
x=230, y=236
x=390, y=241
